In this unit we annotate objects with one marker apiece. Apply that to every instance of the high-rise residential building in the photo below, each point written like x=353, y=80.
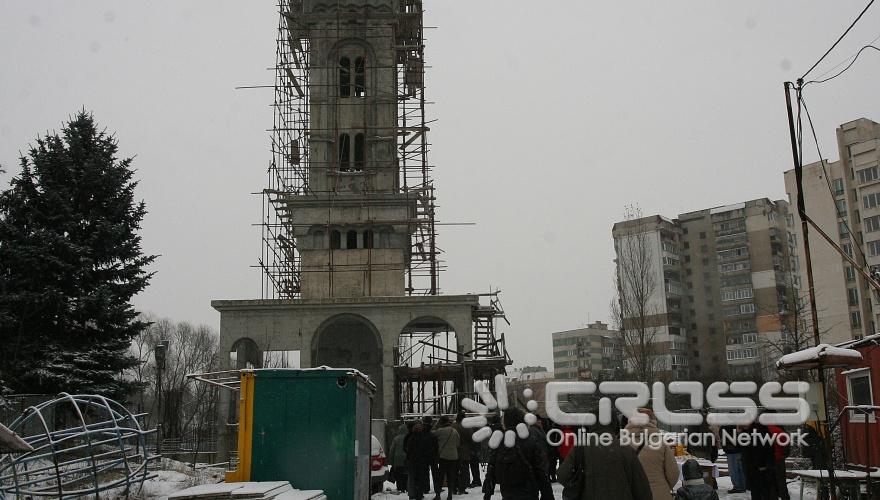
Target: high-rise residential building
x=649, y=281
x=586, y=353
x=843, y=198
x=727, y=295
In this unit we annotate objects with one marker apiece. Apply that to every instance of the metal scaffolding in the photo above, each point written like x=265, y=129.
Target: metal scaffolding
x=291, y=137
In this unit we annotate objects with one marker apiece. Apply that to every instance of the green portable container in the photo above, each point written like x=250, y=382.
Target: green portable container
x=307, y=426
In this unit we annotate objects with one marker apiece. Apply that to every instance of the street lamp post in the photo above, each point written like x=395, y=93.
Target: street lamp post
x=159, y=352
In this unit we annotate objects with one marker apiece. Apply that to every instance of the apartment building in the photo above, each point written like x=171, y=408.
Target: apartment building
x=649, y=276
x=727, y=292
x=586, y=353
x=843, y=198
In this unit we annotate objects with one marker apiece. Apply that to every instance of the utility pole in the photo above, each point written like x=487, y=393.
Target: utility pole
x=802, y=213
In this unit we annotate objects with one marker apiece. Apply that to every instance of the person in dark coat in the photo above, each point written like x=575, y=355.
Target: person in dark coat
x=397, y=458
x=421, y=454
x=758, y=463
x=608, y=471
x=693, y=487
x=465, y=453
x=814, y=447
x=428, y=422
x=521, y=471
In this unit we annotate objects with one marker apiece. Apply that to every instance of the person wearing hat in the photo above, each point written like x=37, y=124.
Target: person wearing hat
x=693, y=487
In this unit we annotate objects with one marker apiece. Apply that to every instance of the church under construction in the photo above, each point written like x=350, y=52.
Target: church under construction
x=349, y=258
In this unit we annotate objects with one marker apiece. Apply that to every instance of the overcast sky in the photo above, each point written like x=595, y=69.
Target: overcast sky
x=552, y=116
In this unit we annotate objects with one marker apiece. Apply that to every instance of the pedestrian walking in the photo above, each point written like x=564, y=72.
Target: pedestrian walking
x=780, y=452
x=657, y=459
x=465, y=451
x=421, y=453
x=733, y=452
x=521, y=470
x=592, y=470
x=758, y=463
x=447, y=454
x=397, y=458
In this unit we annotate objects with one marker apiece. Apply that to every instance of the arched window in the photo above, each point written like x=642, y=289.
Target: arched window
x=360, y=89
x=385, y=239
x=344, y=77
x=359, y=152
x=368, y=238
x=335, y=240
x=344, y=152
x=351, y=240
x=318, y=240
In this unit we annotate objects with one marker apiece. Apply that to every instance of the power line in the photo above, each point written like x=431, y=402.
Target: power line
x=802, y=102
x=848, y=66
x=838, y=40
x=841, y=63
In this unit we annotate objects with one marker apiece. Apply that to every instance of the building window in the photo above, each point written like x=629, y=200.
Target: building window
x=749, y=338
x=843, y=228
x=351, y=240
x=841, y=207
x=359, y=78
x=847, y=249
x=344, y=152
x=368, y=238
x=837, y=186
x=335, y=240
x=318, y=239
x=359, y=152
x=872, y=224
x=344, y=77
x=871, y=200
x=855, y=319
x=850, y=273
x=874, y=248
x=867, y=175
x=859, y=393
x=853, y=295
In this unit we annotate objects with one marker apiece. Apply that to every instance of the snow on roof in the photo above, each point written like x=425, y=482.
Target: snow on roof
x=823, y=354
x=869, y=340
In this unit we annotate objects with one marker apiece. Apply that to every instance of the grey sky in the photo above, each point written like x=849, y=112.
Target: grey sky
x=551, y=117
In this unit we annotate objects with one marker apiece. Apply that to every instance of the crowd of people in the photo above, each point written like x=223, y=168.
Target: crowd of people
x=638, y=470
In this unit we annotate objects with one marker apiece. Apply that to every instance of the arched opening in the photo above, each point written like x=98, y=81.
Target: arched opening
x=428, y=371
x=351, y=240
x=368, y=238
x=360, y=88
x=359, y=154
x=335, y=240
x=318, y=240
x=344, y=77
x=349, y=341
x=344, y=152
x=245, y=354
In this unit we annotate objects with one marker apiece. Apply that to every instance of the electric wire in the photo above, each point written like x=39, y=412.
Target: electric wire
x=838, y=40
x=858, y=245
x=848, y=66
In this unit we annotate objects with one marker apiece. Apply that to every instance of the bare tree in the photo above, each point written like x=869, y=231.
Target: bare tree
x=635, y=312
x=185, y=406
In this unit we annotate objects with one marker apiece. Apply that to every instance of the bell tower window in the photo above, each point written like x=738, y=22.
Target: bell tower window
x=351, y=240
x=359, y=78
x=359, y=152
x=344, y=152
x=345, y=77
x=368, y=239
x=335, y=240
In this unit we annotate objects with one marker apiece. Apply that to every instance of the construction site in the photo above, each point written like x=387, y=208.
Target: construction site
x=350, y=264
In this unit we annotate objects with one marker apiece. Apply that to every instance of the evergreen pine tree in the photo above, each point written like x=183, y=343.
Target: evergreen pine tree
x=70, y=262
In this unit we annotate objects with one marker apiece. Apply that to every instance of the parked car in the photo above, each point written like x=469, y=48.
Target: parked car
x=378, y=466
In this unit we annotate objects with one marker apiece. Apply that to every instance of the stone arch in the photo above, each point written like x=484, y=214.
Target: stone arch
x=351, y=48
x=429, y=376
x=245, y=353
x=351, y=341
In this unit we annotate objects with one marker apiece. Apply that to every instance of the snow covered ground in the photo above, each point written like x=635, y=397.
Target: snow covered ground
x=175, y=476
x=723, y=486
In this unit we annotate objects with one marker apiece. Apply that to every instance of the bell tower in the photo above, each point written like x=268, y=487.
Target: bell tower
x=360, y=222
